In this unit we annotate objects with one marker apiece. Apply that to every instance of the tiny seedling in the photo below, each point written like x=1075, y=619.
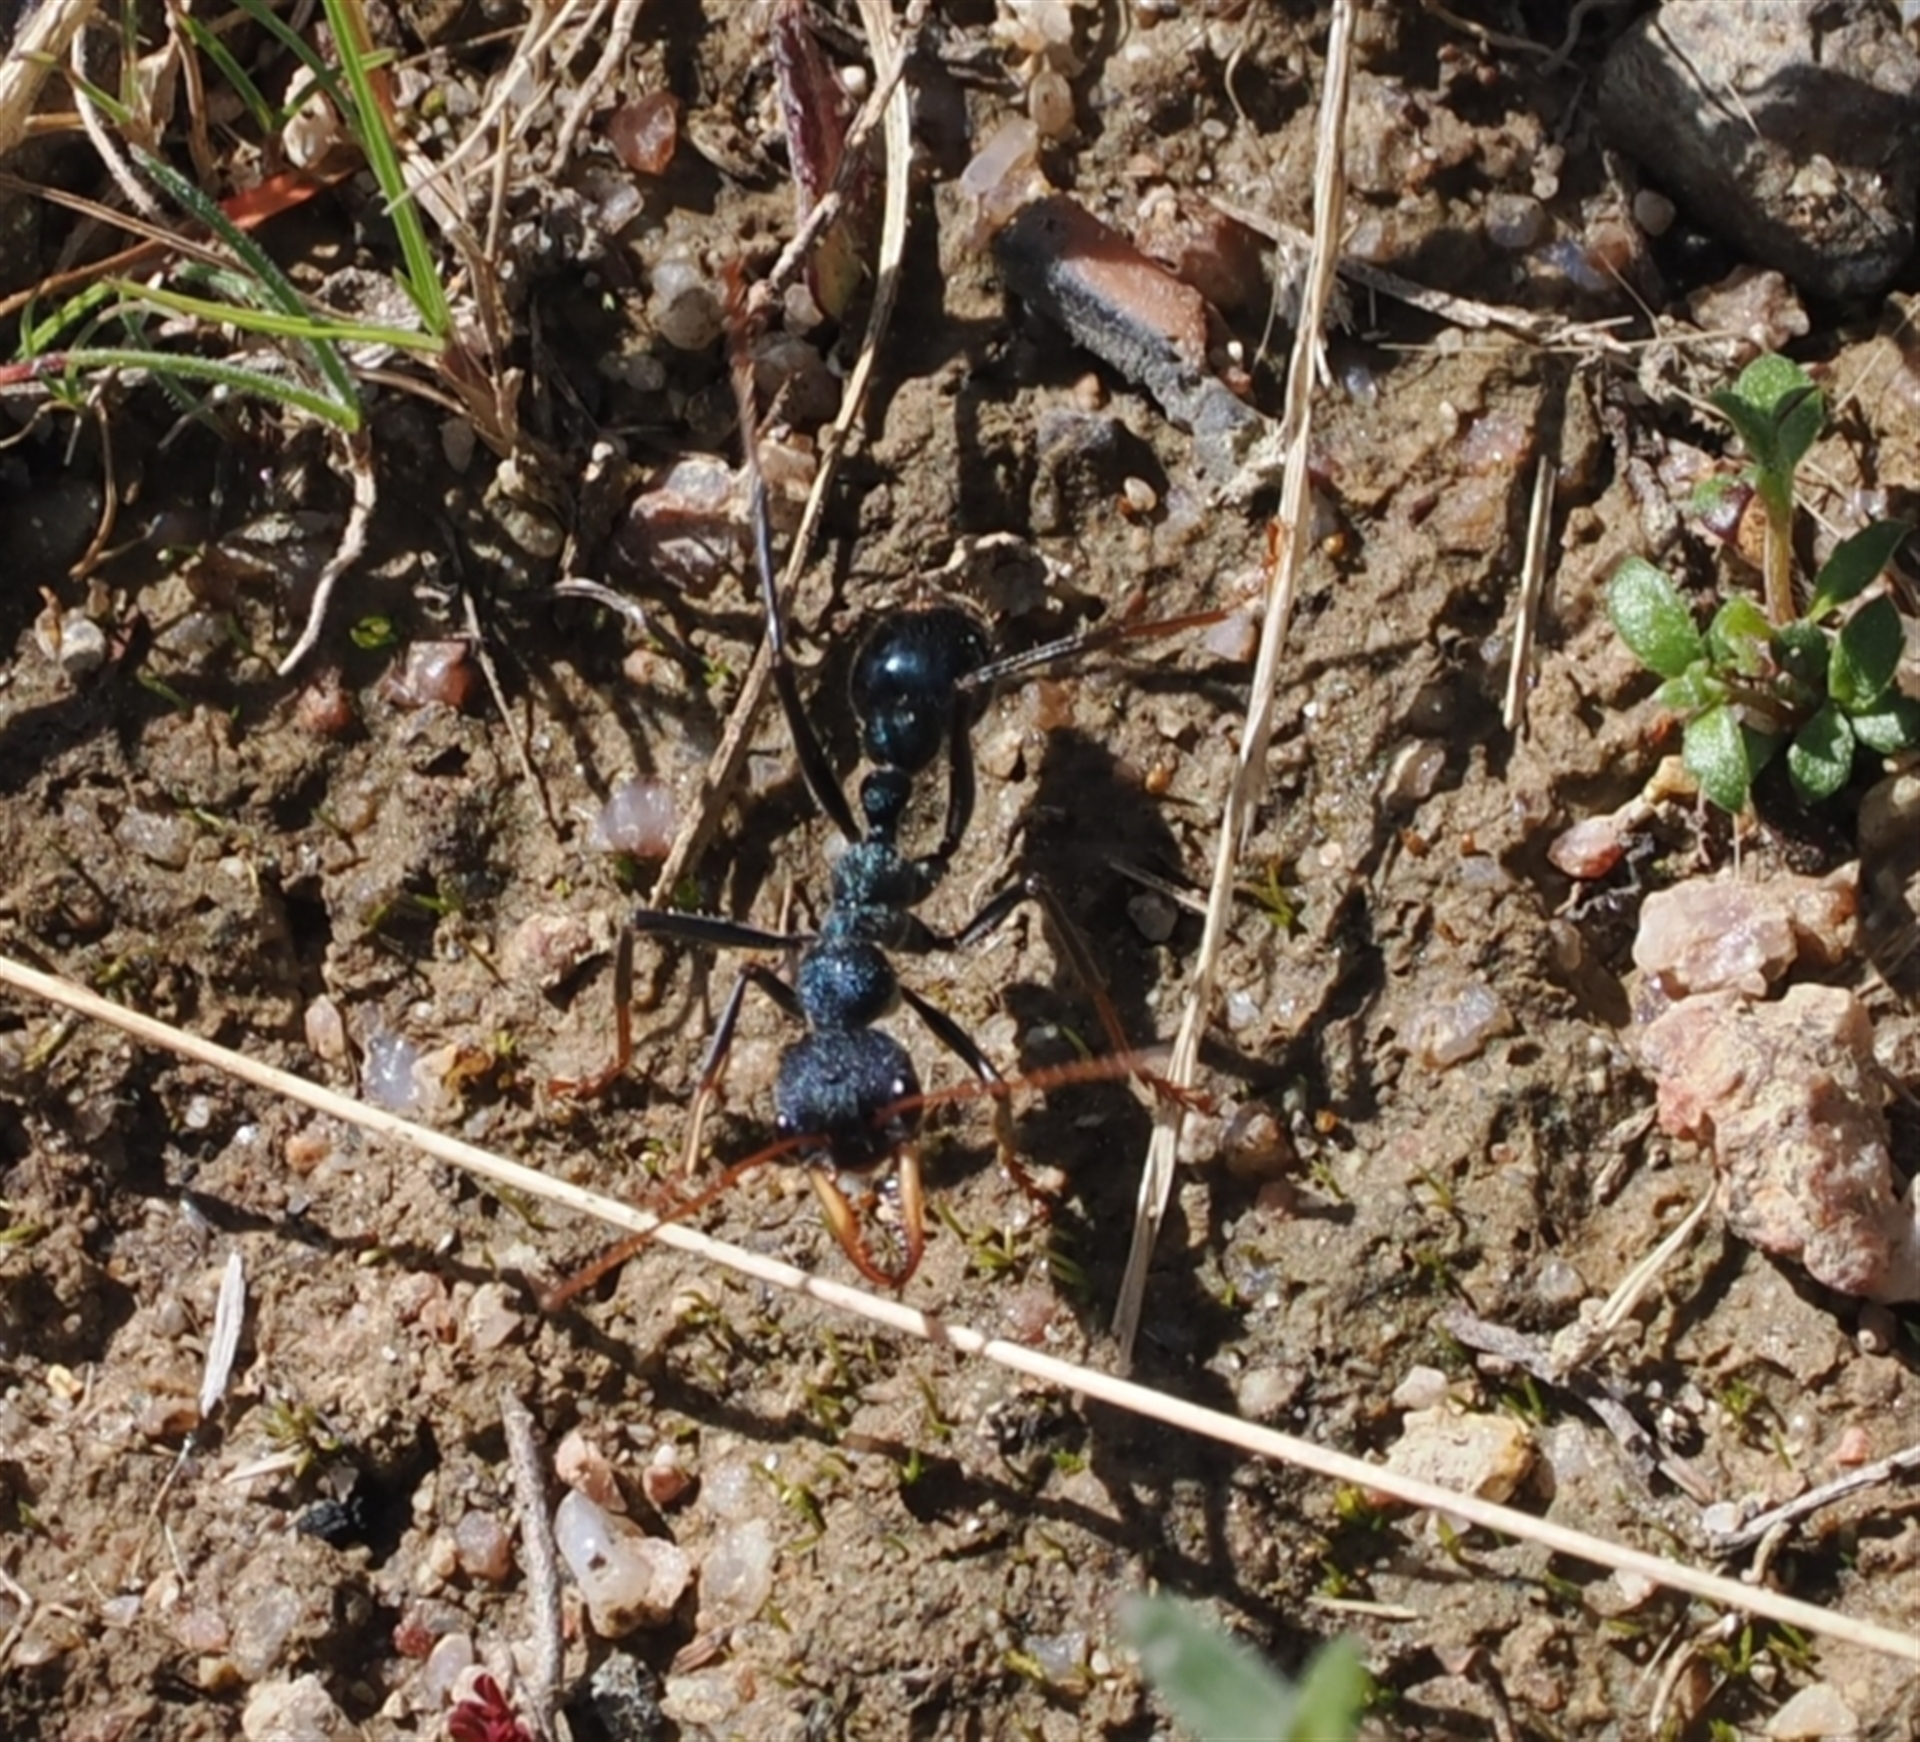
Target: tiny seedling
x=1756, y=679
x=1222, y=1692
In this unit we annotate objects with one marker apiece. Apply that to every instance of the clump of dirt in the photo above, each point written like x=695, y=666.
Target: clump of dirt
x=391, y=870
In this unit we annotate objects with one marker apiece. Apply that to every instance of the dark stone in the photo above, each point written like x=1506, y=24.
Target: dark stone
x=1790, y=127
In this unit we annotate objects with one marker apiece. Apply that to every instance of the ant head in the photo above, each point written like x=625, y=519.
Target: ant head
x=854, y=1092
x=905, y=686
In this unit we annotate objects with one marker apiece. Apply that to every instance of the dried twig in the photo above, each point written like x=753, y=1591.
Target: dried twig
x=1790, y=1512
x=1250, y=773
x=895, y=1315
x=730, y=759
x=547, y=1646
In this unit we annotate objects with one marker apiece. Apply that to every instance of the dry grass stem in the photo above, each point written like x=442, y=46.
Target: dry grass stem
x=41, y=45
x=895, y=1315
x=1533, y=586
x=1250, y=773
x=613, y=51
x=353, y=541
x=729, y=759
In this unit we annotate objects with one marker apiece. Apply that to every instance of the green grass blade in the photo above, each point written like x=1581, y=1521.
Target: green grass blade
x=421, y=273
x=276, y=289
x=173, y=366
x=296, y=45
x=89, y=307
x=307, y=326
x=264, y=115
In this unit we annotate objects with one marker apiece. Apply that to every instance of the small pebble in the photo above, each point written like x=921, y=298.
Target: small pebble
x=1485, y=1455
x=300, y=1710
x=492, y=1318
x=450, y=1659
x=1266, y=1392
x=707, y=1699
x=736, y=1577
x=262, y=1625
x=1414, y=768
x=323, y=708
x=1062, y=1658
x=431, y=672
x=1422, y=1388
x=547, y=948
x=639, y=817
x=1559, y=1284
x=1050, y=104
x=1457, y=1025
x=160, y=837
x=1235, y=638
x=484, y=1547
x=627, y=1578
x=1590, y=848
x=685, y=310
x=666, y=1479
x=74, y=641
x=580, y=1464
x=387, y=1076
x=1653, y=212
x=645, y=132
x=1513, y=222
x=327, y=1032
x=1815, y=1714
x=1153, y=916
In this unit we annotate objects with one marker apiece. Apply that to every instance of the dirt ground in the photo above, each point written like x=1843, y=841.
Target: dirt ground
x=323, y=871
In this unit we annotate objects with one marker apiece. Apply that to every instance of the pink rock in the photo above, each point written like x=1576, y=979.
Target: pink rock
x=1591, y=848
x=1788, y=1096
x=1715, y=933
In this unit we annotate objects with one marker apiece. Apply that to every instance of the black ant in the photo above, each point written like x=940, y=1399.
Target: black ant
x=847, y=1098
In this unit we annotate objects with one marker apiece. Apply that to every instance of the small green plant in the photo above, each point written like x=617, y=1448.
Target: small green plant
x=1757, y=679
x=1222, y=1692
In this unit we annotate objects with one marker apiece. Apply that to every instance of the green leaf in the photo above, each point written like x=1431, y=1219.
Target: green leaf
x=1215, y=1686
x=1694, y=689
x=1714, y=749
x=1333, y=1692
x=1855, y=562
x=1776, y=411
x=1891, y=727
x=1741, y=637
x=1820, y=758
x=1803, y=650
x=1866, y=654
x=1652, y=618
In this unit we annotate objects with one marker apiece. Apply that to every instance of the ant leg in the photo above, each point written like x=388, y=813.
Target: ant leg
x=590, y=1088
x=1035, y=888
x=846, y=1224
x=963, y=1047
x=1089, y=640
x=1073, y=943
x=822, y=782
x=713, y=1062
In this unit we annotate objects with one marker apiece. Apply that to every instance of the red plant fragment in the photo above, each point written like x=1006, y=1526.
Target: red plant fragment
x=817, y=115
x=486, y=1716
